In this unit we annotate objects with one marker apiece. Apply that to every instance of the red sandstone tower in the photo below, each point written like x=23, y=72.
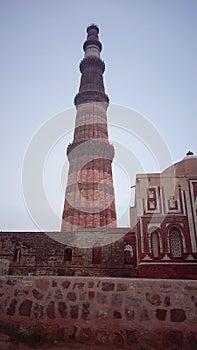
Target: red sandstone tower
x=89, y=199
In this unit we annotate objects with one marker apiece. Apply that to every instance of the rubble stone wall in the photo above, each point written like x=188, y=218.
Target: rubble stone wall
x=131, y=313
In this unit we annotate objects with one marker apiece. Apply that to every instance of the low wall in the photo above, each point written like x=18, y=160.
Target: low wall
x=130, y=313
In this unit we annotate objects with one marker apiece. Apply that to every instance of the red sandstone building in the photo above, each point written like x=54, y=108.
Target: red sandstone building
x=165, y=221
x=162, y=240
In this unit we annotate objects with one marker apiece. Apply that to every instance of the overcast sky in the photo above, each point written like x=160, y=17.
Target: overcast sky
x=150, y=52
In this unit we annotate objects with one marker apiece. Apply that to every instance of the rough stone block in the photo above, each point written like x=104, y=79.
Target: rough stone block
x=167, y=301
x=118, y=338
x=12, y=281
x=193, y=315
x=121, y=287
x=78, y=285
x=131, y=336
x=101, y=298
x=37, y=294
x=102, y=336
x=91, y=294
x=12, y=307
x=73, y=333
x=192, y=340
x=38, y=311
x=181, y=299
x=152, y=339
x=58, y=294
x=161, y=314
x=90, y=284
x=177, y=315
x=54, y=283
x=50, y=310
x=62, y=308
x=85, y=335
x=116, y=299
x=20, y=293
x=117, y=314
x=65, y=284
x=85, y=311
x=144, y=315
x=49, y=296
x=60, y=333
x=130, y=314
x=74, y=311
x=165, y=288
x=153, y=299
x=26, y=283
x=105, y=314
x=25, y=308
x=133, y=301
x=42, y=284
x=71, y=296
x=83, y=296
x=108, y=286
x=174, y=337
x=147, y=335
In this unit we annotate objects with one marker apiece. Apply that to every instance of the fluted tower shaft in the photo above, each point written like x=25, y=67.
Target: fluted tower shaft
x=89, y=199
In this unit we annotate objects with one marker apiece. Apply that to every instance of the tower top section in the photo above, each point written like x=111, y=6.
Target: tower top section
x=92, y=46
x=91, y=87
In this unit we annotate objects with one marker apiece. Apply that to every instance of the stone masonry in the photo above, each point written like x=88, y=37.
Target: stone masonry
x=134, y=314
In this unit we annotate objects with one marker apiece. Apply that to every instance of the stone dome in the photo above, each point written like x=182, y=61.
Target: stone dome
x=186, y=167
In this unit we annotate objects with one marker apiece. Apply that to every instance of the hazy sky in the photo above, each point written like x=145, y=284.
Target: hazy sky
x=150, y=52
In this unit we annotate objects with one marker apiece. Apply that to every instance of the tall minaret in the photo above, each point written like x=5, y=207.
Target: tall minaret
x=89, y=200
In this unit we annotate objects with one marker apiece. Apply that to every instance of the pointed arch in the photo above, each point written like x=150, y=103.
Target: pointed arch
x=128, y=254
x=175, y=242
x=17, y=252
x=68, y=254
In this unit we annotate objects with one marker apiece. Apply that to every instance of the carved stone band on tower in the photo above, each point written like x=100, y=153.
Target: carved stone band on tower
x=89, y=199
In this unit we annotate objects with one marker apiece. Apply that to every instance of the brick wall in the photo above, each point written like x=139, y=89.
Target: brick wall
x=43, y=255
x=131, y=313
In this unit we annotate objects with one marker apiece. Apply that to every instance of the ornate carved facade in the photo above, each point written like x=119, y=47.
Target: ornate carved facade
x=165, y=214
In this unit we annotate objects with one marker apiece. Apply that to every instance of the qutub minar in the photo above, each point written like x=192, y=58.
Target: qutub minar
x=89, y=198
x=162, y=239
